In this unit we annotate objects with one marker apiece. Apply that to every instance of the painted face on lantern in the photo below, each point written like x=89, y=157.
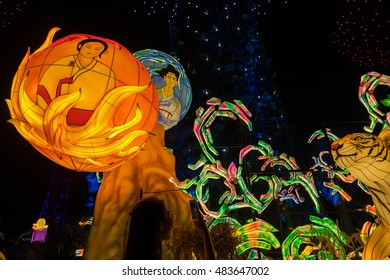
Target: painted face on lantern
x=170, y=80
x=91, y=49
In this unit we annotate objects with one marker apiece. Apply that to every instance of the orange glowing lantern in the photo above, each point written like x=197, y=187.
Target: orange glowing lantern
x=84, y=102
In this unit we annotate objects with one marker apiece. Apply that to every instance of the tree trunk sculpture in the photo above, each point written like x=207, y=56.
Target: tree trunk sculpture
x=147, y=174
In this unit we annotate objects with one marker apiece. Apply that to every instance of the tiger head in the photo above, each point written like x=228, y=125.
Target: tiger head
x=361, y=152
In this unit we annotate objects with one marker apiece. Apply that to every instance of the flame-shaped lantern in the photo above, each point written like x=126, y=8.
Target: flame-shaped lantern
x=84, y=102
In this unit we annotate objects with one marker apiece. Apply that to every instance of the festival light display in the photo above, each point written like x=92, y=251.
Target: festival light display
x=99, y=121
x=83, y=101
x=256, y=233
x=321, y=239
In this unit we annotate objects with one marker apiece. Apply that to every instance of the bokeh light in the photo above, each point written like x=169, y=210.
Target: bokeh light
x=362, y=32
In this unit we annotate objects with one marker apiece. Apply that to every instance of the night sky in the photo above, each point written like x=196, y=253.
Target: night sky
x=314, y=57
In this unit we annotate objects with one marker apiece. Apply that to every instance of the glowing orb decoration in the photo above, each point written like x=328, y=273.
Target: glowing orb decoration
x=84, y=102
x=172, y=84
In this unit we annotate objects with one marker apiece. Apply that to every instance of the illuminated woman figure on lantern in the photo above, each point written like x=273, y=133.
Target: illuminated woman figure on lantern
x=75, y=73
x=169, y=105
x=83, y=101
x=172, y=85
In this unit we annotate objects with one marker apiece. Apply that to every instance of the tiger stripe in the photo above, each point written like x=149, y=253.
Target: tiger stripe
x=367, y=158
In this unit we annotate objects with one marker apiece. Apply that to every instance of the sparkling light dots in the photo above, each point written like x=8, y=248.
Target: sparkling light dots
x=260, y=7
x=8, y=9
x=362, y=32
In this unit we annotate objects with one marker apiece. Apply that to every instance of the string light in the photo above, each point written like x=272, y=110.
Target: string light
x=260, y=7
x=8, y=10
x=362, y=33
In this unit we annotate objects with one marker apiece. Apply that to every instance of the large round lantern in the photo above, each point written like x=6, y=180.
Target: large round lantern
x=84, y=102
x=172, y=84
